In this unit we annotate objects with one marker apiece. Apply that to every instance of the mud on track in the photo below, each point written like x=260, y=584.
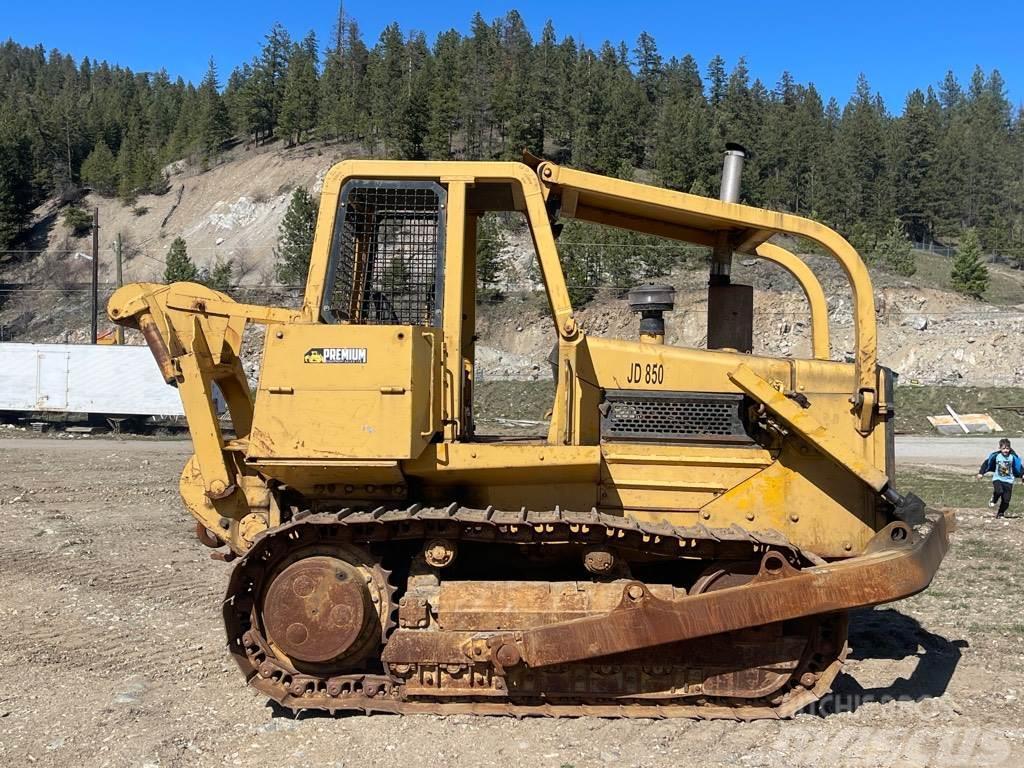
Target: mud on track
x=112, y=653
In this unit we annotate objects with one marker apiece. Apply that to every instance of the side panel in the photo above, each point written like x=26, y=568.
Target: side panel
x=664, y=480
x=799, y=492
x=346, y=392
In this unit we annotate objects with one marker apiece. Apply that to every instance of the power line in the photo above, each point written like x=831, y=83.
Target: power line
x=928, y=314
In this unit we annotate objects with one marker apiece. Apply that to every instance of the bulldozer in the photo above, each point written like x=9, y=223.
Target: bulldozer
x=687, y=539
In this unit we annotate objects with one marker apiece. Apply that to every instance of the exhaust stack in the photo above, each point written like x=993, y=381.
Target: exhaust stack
x=730, y=307
x=732, y=170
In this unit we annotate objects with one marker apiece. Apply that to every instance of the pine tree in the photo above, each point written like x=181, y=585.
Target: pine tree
x=916, y=148
x=580, y=262
x=214, y=120
x=951, y=154
x=445, y=96
x=682, y=152
x=396, y=279
x=594, y=256
x=968, y=274
x=295, y=239
x=16, y=194
x=77, y=220
x=179, y=267
x=480, y=57
x=99, y=169
x=256, y=103
x=615, y=115
x=299, y=102
x=585, y=108
x=343, y=88
x=408, y=134
x=649, y=67
x=810, y=147
x=235, y=99
x=716, y=81
x=739, y=118
x=219, y=276
x=128, y=164
x=184, y=136
x=386, y=72
x=517, y=109
x=950, y=161
x=863, y=196
x=989, y=176
x=273, y=68
x=893, y=252
x=550, y=78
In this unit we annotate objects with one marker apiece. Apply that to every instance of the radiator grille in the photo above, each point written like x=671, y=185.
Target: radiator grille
x=673, y=416
x=387, y=258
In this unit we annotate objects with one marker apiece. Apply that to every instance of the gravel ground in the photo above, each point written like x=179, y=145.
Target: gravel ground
x=112, y=653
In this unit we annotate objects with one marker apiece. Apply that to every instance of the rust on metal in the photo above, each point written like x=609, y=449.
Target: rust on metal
x=497, y=605
x=157, y=346
x=316, y=609
x=440, y=553
x=413, y=612
x=896, y=566
x=598, y=561
x=756, y=672
x=207, y=538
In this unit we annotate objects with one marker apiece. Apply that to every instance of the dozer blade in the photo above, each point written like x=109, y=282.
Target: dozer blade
x=898, y=562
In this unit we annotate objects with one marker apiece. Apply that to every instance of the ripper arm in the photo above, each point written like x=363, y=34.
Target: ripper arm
x=196, y=350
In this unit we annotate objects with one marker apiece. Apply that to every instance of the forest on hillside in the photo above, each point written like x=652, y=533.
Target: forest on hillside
x=949, y=159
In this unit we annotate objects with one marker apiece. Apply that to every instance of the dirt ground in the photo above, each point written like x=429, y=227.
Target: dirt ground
x=112, y=652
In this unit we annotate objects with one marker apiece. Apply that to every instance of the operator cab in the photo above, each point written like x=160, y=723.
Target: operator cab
x=390, y=258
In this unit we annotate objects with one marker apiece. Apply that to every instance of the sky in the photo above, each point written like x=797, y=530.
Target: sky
x=898, y=45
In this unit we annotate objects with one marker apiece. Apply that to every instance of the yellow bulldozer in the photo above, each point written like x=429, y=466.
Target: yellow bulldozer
x=686, y=540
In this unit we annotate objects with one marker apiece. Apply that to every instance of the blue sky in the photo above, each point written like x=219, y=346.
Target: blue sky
x=899, y=46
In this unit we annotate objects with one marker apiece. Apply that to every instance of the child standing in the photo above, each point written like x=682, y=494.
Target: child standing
x=1004, y=465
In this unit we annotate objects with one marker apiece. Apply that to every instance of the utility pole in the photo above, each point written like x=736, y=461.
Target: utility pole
x=95, y=270
x=119, y=333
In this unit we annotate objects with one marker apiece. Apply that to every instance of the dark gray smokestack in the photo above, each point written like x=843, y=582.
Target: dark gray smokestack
x=732, y=173
x=730, y=306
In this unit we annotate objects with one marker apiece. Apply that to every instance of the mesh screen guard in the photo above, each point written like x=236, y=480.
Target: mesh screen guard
x=387, y=254
x=673, y=416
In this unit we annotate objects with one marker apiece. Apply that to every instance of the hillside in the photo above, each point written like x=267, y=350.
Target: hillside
x=230, y=212
x=927, y=333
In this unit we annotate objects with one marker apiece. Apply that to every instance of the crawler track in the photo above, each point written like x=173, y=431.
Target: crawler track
x=376, y=687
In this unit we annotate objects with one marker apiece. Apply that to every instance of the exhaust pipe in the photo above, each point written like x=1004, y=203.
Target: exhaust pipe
x=730, y=307
x=732, y=170
x=732, y=173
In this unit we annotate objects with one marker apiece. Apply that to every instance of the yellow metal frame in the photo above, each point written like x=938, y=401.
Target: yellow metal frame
x=533, y=202
x=830, y=465
x=696, y=219
x=820, y=345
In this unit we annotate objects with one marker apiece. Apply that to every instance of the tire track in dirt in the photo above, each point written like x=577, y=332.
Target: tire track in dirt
x=105, y=612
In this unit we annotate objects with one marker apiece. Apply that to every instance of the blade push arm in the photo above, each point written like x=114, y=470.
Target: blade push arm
x=898, y=562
